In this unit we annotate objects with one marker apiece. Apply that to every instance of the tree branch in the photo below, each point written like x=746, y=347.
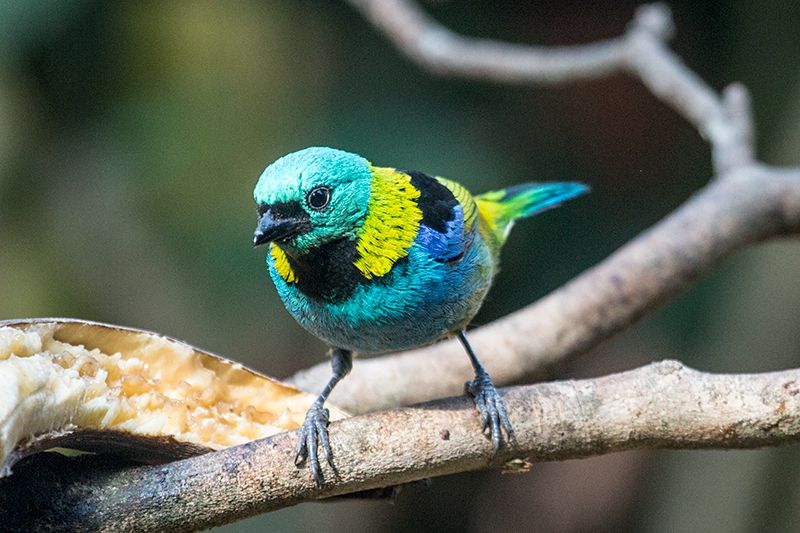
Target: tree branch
x=443, y=52
x=663, y=405
x=745, y=202
x=642, y=51
x=742, y=207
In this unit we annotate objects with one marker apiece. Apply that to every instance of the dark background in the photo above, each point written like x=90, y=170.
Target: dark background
x=132, y=134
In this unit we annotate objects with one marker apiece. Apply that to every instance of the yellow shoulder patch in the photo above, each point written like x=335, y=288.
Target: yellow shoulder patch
x=391, y=224
x=282, y=264
x=466, y=200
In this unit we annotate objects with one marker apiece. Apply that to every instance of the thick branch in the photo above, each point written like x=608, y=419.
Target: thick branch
x=662, y=405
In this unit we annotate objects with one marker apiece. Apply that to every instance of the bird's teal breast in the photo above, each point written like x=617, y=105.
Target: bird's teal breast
x=418, y=302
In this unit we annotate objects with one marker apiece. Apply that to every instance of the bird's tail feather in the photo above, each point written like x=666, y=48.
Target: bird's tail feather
x=502, y=208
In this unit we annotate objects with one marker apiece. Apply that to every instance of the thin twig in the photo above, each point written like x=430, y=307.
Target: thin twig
x=444, y=52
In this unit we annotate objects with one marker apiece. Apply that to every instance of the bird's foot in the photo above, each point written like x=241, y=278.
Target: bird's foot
x=314, y=431
x=490, y=406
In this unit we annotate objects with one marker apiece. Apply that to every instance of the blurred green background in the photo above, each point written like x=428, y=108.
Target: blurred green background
x=132, y=134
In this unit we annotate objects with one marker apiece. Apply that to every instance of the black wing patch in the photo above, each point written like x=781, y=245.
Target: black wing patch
x=442, y=229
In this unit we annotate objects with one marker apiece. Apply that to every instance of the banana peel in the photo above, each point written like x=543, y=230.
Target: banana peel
x=92, y=387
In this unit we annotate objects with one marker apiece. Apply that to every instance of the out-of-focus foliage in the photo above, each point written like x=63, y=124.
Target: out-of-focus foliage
x=132, y=134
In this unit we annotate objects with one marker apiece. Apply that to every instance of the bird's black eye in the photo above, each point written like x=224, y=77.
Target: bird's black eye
x=318, y=198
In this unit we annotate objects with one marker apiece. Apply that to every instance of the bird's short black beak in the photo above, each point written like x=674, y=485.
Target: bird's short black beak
x=274, y=229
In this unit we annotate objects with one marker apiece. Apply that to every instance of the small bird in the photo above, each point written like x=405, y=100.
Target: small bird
x=373, y=259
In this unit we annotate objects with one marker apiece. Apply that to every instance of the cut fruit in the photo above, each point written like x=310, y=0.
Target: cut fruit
x=95, y=387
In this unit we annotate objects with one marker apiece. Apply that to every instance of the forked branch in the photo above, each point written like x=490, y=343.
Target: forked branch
x=745, y=202
x=663, y=405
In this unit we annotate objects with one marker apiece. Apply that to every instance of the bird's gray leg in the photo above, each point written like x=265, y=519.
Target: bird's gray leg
x=486, y=397
x=315, y=426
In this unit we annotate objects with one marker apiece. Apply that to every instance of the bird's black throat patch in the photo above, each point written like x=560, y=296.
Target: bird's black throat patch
x=328, y=273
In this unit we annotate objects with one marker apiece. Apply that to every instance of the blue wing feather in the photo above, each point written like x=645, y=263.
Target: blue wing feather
x=450, y=245
x=443, y=232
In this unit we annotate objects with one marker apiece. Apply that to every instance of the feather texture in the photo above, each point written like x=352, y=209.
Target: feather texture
x=375, y=259
x=391, y=224
x=399, y=258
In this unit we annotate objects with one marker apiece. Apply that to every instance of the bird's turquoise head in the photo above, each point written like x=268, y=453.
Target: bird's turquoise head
x=312, y=197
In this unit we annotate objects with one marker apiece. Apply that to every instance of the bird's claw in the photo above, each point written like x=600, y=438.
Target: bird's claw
x=490, y=406
x=314, y=431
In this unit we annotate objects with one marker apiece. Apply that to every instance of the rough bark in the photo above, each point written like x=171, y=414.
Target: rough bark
x=663, y=405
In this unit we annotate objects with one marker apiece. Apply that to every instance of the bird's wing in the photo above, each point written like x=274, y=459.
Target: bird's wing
x=449, y=217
